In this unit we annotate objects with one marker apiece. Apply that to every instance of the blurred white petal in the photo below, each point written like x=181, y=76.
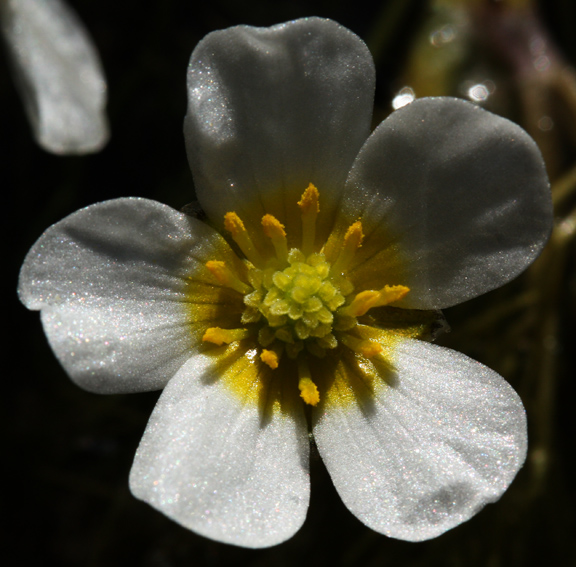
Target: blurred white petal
x=58, y=73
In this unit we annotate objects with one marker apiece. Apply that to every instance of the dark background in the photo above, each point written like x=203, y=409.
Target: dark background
x=68, y=452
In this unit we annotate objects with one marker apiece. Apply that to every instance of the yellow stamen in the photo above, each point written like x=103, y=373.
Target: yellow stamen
x=365, y=300
x=220, y=336
x=270, y=358
x=360, y=304
x=308, y=390
x=352, y=241
x=310, y=207
x=226, y=277
x=234, y=225
x=366, y=348
x=309, y=202
x=390, y=294
x=370, y=349
x=274, y=230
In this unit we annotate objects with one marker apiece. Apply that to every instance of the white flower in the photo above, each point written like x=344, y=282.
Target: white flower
x=58, y=73
x=324, y=226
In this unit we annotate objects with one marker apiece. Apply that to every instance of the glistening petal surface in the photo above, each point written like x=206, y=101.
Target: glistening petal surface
x=271, y=110
x=59, y=75
x=454, y=202
x=228, y=469
x=120, y=285
x=441, y=440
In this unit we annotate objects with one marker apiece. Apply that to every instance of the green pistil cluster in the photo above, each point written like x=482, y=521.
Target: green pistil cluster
x=298, y=303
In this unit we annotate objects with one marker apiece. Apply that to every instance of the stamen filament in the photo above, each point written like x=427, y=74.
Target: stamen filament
x=308, y=390
x=274, y=230
x=352, y=241
x=310, y=207
x=234, y=225
x=366, y=300
x=227, y=277
x=220, y=336
x=364, y=347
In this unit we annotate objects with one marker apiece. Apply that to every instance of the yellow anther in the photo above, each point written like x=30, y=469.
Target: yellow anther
x=363, y=301
x=310, y=206
x=226, y=277
x=354, y=235
x=366, y=348
x=366, y=300
x=309, y=202
x=390, y=294
x=234, y=225
x=220, y=336
x=270, y=358
x=274, y=230
x=352, y=241
x=308, y=390
x=370, y=349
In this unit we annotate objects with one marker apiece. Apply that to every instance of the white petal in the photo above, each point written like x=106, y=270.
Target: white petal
x=454, y=202
x=272, y=110
x=116, y=283
x=229, y=469
x=444, y=438
x=59, y=75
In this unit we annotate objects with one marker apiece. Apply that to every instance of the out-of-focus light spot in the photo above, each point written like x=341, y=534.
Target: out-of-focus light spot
x=537, y=45
x=405, y=96
x=445, y=34
x=545, y=123
x=478, y=93
x=542, y=63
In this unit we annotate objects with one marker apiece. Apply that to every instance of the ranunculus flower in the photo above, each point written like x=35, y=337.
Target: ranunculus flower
x=58, y=73
x=302, y=303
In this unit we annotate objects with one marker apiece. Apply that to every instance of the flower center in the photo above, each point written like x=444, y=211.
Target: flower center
x=296, y=303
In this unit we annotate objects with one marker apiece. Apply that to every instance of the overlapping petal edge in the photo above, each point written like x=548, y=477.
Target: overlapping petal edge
x=454, y=202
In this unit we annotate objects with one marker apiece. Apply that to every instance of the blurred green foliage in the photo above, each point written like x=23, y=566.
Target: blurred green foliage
x=69, y=452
